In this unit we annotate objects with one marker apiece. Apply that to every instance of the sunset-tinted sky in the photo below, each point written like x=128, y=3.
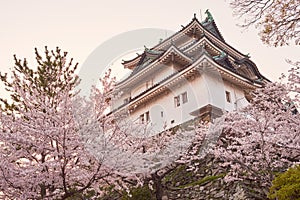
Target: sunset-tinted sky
x=79, y=26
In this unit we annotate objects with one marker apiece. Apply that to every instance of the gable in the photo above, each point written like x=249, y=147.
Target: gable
x=188, y=44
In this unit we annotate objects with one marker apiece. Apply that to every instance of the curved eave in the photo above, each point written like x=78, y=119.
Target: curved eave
x=210, y=38
x=222, y=44
x=255, y=68
x=237, y=79
x=222, y=70
x=177, y=35
x=196, y=24
x=198, y=65
x=204, y=40
x=132, y=63
x=158, y=88
x=221, y=47
x=174, y=53
x=217, y=50
x=171, y=53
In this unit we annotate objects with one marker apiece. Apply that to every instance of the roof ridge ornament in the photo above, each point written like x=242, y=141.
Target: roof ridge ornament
x=220, y=56
x=209, y=18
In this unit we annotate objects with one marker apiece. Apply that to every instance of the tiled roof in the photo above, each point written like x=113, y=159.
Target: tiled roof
x=212, y=28
x=151, y=55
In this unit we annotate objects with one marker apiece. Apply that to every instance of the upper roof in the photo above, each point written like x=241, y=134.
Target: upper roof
x=192, y=37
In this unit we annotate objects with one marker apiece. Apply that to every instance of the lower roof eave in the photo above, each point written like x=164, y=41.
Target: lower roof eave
x=226, y=74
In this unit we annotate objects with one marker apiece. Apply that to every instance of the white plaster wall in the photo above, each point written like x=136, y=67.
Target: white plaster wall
x=197, y=98
x=162, y=73
x=138, y=89
x=208, y=88
x=215, y=88
x=238, y=99
x=216, y=91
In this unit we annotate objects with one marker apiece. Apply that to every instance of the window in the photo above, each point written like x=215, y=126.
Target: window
x=228, y=97
x=145, y=117
x=142, y=118
x=184, y=97
x=177, y=101
x=162, y=113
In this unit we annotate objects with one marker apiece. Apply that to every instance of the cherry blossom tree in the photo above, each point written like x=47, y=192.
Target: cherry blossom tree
x=137, y=154
x=58, y=145
x=294, y=80
x=42, y=156
x=278, y=21
x=42, y=153
x=143, y=157
x=52, y=76
x=264, y=137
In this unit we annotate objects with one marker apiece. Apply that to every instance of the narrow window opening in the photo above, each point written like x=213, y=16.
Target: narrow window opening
x=177, y=101
x=184, y=97
x=142, y=118
x=228, y=97
x=147, y=116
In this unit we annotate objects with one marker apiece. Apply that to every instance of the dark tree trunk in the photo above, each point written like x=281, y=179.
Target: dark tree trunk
x=157, y=186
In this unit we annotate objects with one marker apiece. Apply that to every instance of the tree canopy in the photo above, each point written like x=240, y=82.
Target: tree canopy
x=41, y=153
x=263, y=138
x=277, y=20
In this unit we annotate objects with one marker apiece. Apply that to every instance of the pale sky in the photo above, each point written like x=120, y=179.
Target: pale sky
x=80, y=26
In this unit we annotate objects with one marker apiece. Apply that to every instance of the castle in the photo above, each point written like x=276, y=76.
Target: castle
x=193, y=73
